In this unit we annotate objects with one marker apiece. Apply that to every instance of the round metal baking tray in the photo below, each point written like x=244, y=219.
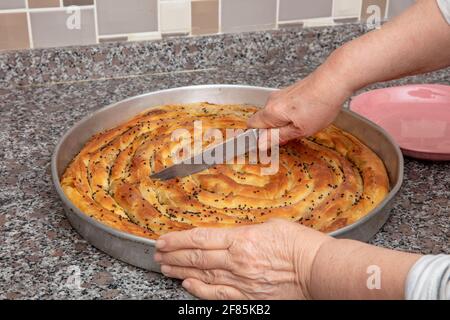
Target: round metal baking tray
x=139, y=251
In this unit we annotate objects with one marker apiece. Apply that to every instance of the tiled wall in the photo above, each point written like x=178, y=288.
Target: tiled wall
x=51, y=23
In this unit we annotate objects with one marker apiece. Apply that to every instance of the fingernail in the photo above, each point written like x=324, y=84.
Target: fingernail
x=157, y=257
x=165, y=269
x=186, y=284
x=160, y=244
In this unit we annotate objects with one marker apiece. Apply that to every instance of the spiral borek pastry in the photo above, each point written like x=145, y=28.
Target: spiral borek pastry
x=326, y=181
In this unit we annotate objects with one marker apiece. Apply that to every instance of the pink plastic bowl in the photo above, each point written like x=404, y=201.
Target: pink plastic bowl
x=417, y=117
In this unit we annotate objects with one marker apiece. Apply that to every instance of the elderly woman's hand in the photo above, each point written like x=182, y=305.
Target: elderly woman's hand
x=266, y=261
x=305, y=107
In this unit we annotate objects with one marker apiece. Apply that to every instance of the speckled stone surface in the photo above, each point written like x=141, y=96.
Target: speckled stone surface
x=113, y=60
x=40, y=250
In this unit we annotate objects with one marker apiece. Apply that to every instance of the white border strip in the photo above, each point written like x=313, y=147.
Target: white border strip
x=26, y=9
x=219, y=18
x=277, y=17
x=30, y=31
x=97, y=37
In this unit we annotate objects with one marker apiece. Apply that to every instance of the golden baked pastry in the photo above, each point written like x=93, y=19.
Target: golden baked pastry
x=326, y=181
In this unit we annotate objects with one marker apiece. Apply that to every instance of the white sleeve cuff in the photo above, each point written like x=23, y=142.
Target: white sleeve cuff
x=429, y=279
x=444, y=5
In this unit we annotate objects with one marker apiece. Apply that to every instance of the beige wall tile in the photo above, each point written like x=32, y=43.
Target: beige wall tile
x=113, y=39
x=205, y=16
x=396, y=7
x=43, y=3
x=305, y=9
x=318, y=22
x=130, y=16
x=175, y=16
x=346, y=20
x=50, y=28
x=248, y=15
x=78, y=2
x=12, y=4
x=292, y=25
x=366, y=11
x=14, y=31
x=346, y=8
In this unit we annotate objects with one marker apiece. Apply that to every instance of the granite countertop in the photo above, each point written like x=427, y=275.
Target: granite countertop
x=40, y=250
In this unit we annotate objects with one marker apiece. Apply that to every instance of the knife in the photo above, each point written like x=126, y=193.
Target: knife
x=226, y=151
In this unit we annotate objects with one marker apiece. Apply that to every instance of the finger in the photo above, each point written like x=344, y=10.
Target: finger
x=278, y=220
x=290, y=132
x=268, y=138
x=212, y=292
x=202, y=259
x=215, y=276
x=198, y=238
x=279, y=136
x=266, y=119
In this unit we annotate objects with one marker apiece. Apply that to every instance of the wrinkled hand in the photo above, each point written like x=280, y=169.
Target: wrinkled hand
x=266, y=261
x=303, y=108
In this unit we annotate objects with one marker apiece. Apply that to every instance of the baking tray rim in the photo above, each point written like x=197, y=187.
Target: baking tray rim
x=131, y=237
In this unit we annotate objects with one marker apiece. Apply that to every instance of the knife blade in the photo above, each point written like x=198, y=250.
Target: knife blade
x=217, y=154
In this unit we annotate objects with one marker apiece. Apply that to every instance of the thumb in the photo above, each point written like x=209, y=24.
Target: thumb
x=278, y=136
x=290, y=132
x=265, y=119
